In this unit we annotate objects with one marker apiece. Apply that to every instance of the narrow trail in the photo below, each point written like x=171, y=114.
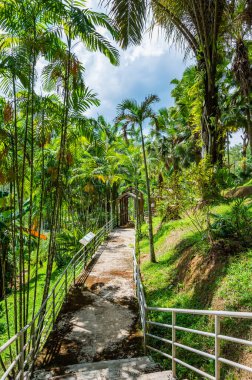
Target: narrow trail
x=99, y=321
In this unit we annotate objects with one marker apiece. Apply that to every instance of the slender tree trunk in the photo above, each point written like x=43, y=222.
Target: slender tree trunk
x=137, y=237
x=152, y=251
x=59, y=185
x=40, y=212
x=228, y=152
x=249, y=129
x=111, y=203
x=31, y=171
x=13, y=218
x=211, y=133
x=245, y=142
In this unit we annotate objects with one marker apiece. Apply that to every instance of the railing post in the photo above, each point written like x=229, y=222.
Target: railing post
x=33, y=340
x=144, y=327
x=66, y=283
x=95, y=241
x=217, y=347
x=85, y=258
x=54, y=316
x=21, y=360
x=173, y=344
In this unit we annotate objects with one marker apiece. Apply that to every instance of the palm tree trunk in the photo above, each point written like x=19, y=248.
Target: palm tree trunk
x=152, y=251
x=249, y=122
x=15, y=189
x=211, y=134
x=40, y=210
x=31, y=172
x=58, y=186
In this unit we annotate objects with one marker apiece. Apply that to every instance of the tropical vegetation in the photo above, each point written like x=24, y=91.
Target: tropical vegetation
x=61, y=172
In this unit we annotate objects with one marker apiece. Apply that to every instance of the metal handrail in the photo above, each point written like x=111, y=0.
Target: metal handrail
x=173, y=327
x=39, y=328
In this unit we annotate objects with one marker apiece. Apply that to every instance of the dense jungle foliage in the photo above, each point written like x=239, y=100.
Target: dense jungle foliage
x=61, y=172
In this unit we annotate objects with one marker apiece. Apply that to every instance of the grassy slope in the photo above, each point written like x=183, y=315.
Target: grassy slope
x=188, y=276
x=10, y=300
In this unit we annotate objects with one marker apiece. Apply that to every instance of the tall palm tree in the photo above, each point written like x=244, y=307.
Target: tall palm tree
x=196, y=23
x=239, y=32
x=31, y=29
x=76, y=23
x=130, y=114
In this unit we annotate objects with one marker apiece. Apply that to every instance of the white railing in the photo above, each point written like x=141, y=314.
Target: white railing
x=173, y=343
x=18, y=354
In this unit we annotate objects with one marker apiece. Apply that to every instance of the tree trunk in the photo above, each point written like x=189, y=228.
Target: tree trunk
x=245, y=142
x=152, y=252
x=211, y=135
x=249, y=129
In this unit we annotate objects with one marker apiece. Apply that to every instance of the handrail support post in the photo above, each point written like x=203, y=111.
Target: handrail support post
x=21, y=361
x=217, y=347
x=144, y=328
x=173, y=344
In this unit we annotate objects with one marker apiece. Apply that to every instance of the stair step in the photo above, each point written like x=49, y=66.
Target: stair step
x=142, y=368
x=104, y=374
x=162, y=375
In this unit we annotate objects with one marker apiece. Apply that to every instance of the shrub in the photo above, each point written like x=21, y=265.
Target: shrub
x=236, y=224
x=67, y=246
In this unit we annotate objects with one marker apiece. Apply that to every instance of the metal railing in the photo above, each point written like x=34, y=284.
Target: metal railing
x=18, y=354
x=174, y=343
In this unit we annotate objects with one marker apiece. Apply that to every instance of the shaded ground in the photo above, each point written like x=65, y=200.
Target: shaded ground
x=239, y=192
x=99, y=321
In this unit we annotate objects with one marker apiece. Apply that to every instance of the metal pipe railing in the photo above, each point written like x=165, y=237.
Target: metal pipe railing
x=44, y=320
x=173, y=327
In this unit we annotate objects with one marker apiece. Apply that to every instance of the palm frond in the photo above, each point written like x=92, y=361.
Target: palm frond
x=149, y=100
x=83, y=26
x=130, y=19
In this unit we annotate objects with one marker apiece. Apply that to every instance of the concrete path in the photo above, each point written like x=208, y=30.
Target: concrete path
x=100, y=319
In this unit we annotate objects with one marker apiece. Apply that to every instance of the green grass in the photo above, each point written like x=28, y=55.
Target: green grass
x=248, y=183
x=10, y=300
x=186, y=276
x=58, y=282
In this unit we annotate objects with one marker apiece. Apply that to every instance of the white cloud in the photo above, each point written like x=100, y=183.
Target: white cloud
x=144, y=69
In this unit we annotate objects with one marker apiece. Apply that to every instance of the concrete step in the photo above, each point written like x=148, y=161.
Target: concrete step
x=162, y=375
x=142, y=368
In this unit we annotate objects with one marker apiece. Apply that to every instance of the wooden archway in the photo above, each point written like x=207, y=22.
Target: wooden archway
x=123, y=205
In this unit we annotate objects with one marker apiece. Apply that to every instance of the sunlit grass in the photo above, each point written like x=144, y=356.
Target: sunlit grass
x=186, y=276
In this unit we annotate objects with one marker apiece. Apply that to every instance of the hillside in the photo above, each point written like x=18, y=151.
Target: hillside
x=192, y=274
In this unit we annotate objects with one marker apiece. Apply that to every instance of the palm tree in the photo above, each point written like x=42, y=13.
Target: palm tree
x=131, y=114
x=77, y=23
x=30, y=30
x=196, y=23
x=239, y=30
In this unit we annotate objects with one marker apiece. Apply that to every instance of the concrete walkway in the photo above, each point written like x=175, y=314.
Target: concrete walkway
x=100, y=319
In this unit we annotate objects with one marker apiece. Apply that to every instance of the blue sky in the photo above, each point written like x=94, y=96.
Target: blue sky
x=145, y=69
x=148, y=68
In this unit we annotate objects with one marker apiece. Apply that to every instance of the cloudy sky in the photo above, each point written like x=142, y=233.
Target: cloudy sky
x=143, y=70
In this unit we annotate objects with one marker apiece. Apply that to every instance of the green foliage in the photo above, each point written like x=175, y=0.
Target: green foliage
x=236, y=224
x=67, y=241
x=186, y=277
x=63, y=171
